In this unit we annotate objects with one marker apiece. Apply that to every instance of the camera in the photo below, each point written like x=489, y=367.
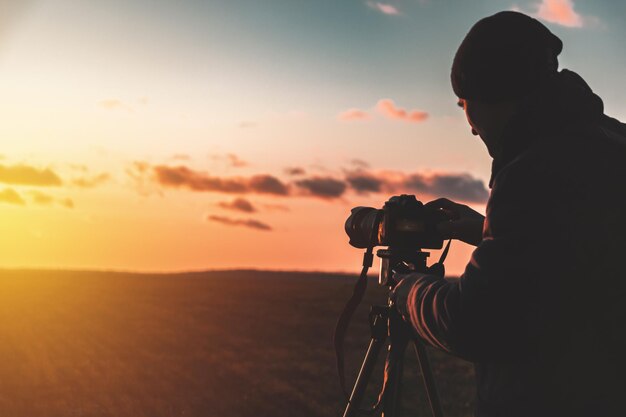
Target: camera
x=403, y=222
x=406, y=227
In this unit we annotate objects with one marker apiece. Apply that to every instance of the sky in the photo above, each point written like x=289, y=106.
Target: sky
x=169, y=136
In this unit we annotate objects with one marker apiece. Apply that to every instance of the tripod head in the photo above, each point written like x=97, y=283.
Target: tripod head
x=399, y=260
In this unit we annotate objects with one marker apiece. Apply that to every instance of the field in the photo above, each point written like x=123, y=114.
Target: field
x=236, y=343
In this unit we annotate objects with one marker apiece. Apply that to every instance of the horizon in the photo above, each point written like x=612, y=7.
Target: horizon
x=155, y=137
x=186, y=272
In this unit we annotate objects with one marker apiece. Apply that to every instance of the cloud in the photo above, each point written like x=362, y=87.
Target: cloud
x=231, y=159
x=67, y=202
x=111, y=104
x=140, y=167
x=453, y=186
x=294, y=171
x=142, y=177
x=10, y=196
x=90, y=182
x=185, y=177
x=253, y=224
x=384, y=8
x=235, y=161
x=359, y=163
x=27, y=175
x=323, y=187
x=267, y=184
x=238, y=204
x=353, y=114
x=364, y=183
x=456, y=186
x=79, y=167
x=387, y=108
x=560, y=12
x=41, y=198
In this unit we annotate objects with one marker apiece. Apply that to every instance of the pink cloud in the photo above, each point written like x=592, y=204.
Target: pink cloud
x=560, y=12
x=417, y=116
x=388, y=109
x=384, y=8
x=354, y=114
x=457, y=186
x=184, y=177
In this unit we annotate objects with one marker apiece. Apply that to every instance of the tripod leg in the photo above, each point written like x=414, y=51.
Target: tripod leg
x=364, y=375
x=393, y=373
x=429, y=379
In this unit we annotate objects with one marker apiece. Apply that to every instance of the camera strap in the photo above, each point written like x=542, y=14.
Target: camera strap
x=437, y=268
x=341, y=327
x=444, y=253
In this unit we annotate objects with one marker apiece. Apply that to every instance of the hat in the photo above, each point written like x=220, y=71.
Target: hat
x=503, y=57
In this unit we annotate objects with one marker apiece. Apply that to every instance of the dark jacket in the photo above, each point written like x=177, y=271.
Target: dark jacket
x=541, y=307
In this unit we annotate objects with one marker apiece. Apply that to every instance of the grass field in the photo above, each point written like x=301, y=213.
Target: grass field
x=237, y=343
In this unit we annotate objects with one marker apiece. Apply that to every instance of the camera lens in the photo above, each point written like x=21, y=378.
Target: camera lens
x=362, y=227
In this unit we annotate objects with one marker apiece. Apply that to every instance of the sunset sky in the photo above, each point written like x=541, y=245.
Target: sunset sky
x=176, y=135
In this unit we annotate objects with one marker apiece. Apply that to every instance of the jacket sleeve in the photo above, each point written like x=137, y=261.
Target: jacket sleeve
x=491, y=310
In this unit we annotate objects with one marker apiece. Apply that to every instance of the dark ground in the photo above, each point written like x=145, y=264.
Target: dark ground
x=237, y=343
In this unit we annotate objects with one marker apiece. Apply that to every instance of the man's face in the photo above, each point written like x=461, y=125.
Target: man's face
x=488, y=120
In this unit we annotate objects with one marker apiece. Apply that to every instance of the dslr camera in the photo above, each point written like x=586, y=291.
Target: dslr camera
x=404, y=225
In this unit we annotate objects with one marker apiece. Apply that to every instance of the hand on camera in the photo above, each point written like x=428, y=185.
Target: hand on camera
x=465, y=225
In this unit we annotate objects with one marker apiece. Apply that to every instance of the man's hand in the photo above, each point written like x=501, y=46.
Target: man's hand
x=466, y=224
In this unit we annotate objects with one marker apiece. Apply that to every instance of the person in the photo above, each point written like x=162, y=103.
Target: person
x=541, y=307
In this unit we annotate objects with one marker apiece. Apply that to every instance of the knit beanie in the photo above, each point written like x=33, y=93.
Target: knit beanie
x=504, y=56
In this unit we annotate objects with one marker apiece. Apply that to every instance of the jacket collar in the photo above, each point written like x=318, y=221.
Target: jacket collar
x=559, y=106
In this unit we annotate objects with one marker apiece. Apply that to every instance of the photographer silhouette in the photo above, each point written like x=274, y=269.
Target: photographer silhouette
x=541, y=307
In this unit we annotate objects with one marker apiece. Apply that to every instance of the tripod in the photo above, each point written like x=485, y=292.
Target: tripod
x=385, y=321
